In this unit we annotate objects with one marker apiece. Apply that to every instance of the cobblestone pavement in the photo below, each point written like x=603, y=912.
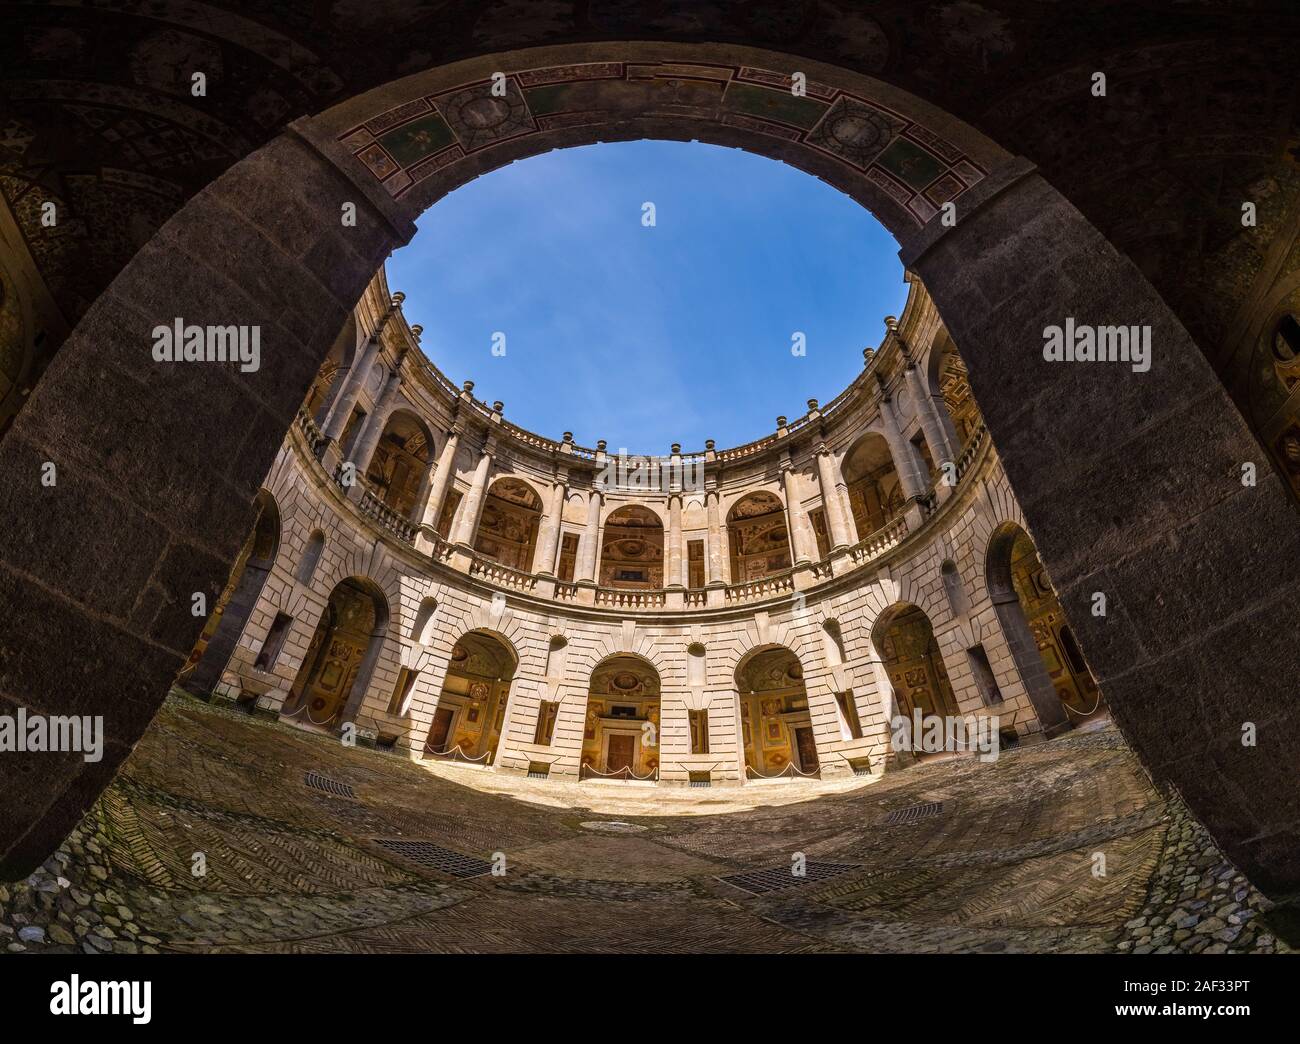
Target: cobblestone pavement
x=212, y=840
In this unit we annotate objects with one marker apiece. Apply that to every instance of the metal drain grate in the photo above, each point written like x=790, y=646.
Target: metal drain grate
x=435, y=857
x=329, y=786
x=756, y=882
x=912, y=813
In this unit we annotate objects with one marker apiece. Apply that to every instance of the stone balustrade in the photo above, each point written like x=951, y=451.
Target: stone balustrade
x=379, y=512
x=501, y=575
x=767, y=587
x=777, y=585
x=618, y=598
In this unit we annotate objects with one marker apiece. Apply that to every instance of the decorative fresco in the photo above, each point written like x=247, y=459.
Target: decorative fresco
x=910, y=163
x=954, y=384
x=758, y=537
x=507, y=530
x=400, y=464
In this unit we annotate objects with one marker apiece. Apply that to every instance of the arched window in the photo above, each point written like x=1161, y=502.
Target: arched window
x=310, y=557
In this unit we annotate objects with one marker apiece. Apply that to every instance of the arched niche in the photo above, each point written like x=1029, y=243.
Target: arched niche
x=1042, y=643
x=310, y=559
x=398, y=470
x=423, y=625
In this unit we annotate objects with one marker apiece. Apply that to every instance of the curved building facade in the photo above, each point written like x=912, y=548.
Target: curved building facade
x=431, y=578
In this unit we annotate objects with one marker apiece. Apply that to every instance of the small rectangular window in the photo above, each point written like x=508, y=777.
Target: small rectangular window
x=274, y=642
x=849, y=714
x=695, y=564
x=699, y=731
x=448, y=514
x=568, y=556
x=817, y=516
x=546, y=716
x=401, y=700
x=984, y=678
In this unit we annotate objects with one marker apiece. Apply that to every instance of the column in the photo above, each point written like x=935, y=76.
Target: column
x=801, y=537
x=833, y=499
x=586, y=571
x=548, y=537
x=347, y=398
x=719, y=554
x=467, y=520
x=936, y=437
x=904, y=463
x=441, y=480
x=675, y=540
x=375, y=423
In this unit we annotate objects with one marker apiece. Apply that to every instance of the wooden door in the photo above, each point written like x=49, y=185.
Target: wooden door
x=622, y=751
x=803, y=738
x=438, y=730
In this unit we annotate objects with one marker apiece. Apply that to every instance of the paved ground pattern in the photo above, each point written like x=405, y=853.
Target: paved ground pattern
x=212, y=840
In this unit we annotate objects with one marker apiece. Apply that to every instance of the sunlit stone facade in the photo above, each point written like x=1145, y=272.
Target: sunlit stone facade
x=455, y=586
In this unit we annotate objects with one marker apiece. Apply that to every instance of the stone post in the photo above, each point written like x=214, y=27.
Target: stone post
x=832, y=487
x=548, y=538
x=376, y=422
x=467, y=519
x=586, y=569
x=442, y=477
x=802, y=544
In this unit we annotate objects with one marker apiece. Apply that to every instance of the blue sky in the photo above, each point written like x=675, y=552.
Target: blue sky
x=649, y=336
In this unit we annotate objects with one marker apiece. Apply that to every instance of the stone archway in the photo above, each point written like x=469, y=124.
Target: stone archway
x=1019, y=259
x=1041, y=640
x=397, y=466
x=469, y=718
x=905, y=644
x=632, y=549
x=221, y=631
x=776, y=729
x=758, y=537
x=877, y=494
x=339, y=663
x=620, y=738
